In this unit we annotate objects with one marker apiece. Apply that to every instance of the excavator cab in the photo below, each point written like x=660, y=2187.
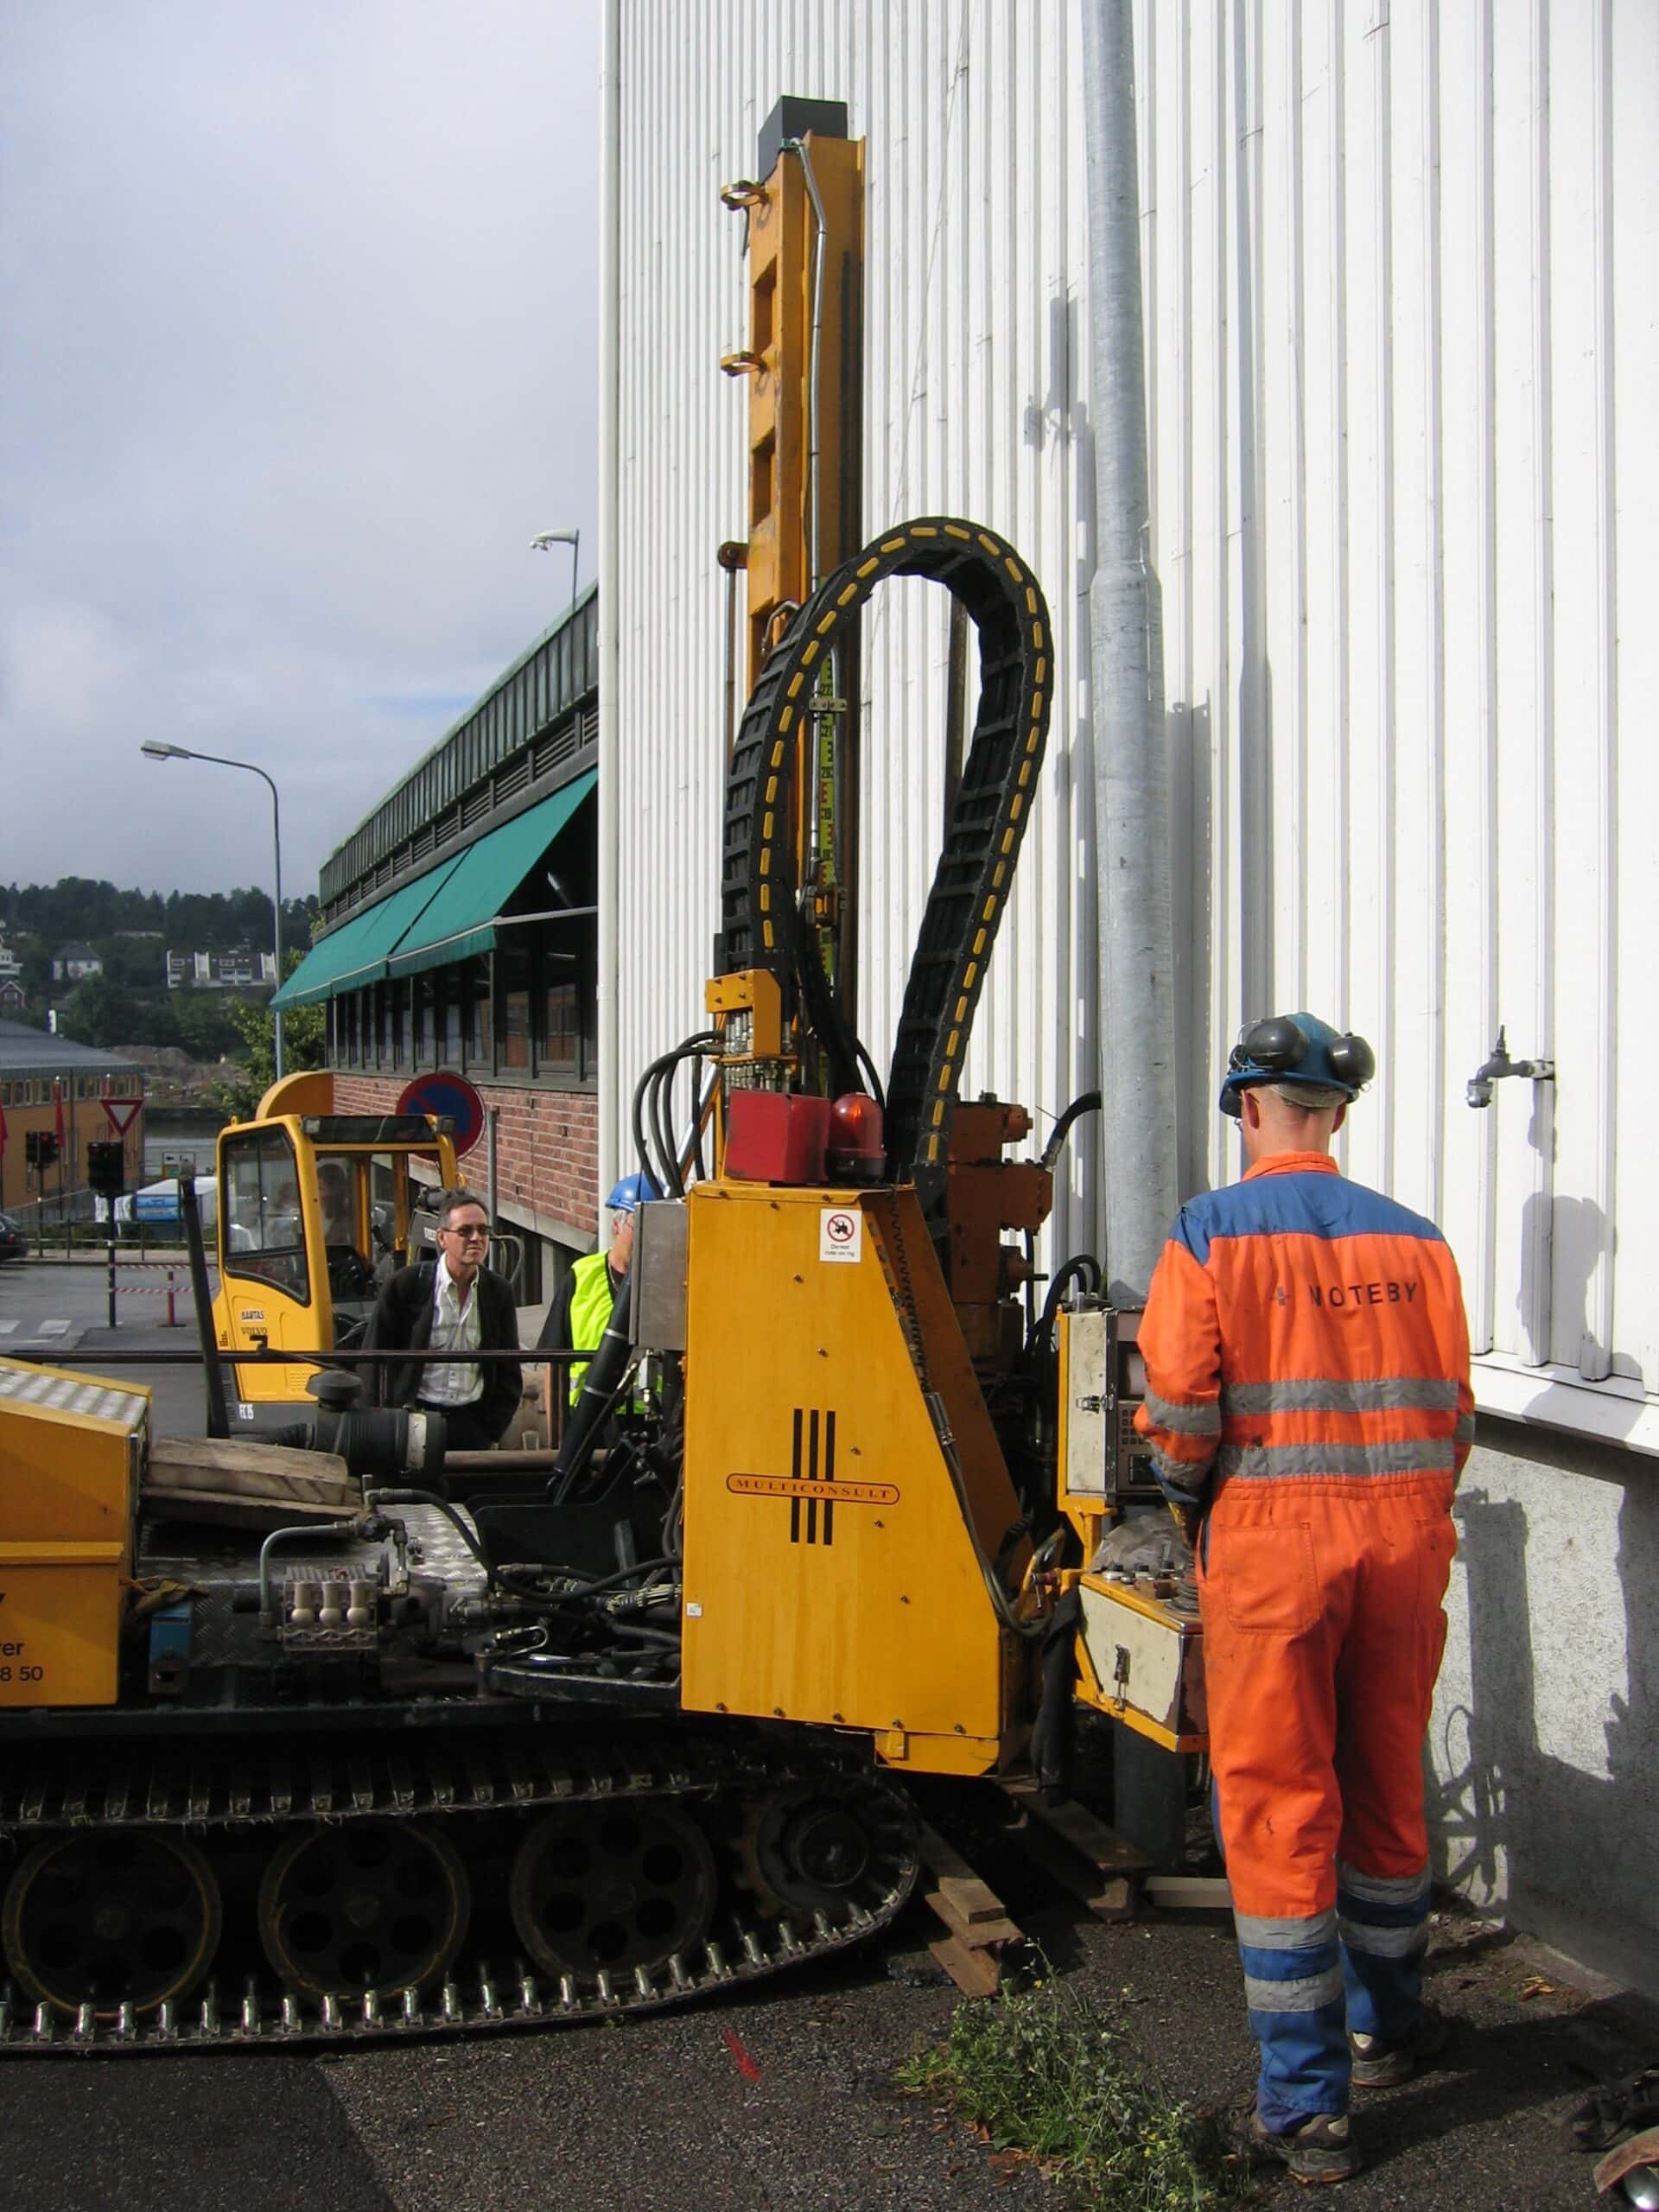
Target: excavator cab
x=317, y=1210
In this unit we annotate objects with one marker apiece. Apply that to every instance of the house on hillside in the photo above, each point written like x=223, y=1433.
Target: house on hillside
x=238, y=971
x=13, y=997
x=73, y=964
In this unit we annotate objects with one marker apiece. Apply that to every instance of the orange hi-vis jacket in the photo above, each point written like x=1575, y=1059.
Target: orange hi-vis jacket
x=1302, y=1327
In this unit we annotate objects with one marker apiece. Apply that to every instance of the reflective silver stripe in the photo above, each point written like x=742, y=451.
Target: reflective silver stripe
x=1465, y=1432
x=1304, y=1996
x=1324, y=1394
x=1427, y=1455
x=1187, y=1476
x=1269, y=1934
x=1383, y=1889
x=1382, y=1943
x=1183, y=1420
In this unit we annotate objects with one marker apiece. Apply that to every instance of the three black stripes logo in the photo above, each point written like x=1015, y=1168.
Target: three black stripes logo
x=812, y=1459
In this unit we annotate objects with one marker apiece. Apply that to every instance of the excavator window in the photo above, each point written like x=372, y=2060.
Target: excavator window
x=351, y=1276
x=264, y=1231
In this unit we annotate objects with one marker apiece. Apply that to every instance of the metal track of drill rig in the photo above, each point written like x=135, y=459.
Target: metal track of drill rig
x=741, y=1791
x=760, y=923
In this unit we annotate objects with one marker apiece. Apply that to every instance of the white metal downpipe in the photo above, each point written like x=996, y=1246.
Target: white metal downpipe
x=610, y=597
x=1132, y=859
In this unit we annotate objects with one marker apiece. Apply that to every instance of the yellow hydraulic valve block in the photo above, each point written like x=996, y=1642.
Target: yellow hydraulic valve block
x=834, y=1565
x=71, y=1453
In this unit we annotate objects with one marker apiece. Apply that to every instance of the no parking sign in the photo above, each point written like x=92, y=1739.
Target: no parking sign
x=444, y=1093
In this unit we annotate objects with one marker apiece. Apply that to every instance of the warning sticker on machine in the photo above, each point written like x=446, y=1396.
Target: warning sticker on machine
x=840, y=1234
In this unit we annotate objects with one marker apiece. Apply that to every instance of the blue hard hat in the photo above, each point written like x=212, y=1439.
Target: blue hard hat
x=1296, y=1048
x=628, y=1193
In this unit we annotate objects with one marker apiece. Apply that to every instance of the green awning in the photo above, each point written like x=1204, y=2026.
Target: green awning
x=356, y=952
x=460, y=920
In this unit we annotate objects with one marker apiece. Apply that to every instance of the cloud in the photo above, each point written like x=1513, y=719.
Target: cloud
x=300, y=350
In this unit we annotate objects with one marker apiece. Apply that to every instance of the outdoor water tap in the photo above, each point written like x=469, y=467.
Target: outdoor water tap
x=1499, y=1064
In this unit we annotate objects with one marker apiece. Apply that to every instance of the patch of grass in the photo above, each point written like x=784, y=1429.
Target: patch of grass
x=1045, y=2072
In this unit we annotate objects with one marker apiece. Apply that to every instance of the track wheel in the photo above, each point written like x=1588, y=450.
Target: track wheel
x=380, y=1906
x=120, y=1916
x=809, y=1847
x=608, y=1888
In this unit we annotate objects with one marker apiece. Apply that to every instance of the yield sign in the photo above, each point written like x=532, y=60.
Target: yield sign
x=120, y=1113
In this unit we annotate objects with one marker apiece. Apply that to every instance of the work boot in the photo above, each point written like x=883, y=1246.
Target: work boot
x=1379, y=2065
x=1321, y=2148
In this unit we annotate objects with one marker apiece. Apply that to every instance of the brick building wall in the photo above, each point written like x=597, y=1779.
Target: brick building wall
x=547, y=1152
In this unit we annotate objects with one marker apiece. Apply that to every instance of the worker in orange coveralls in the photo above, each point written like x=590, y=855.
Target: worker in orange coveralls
x=1308, y=1407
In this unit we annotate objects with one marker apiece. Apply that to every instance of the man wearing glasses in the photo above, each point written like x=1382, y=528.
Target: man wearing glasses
x=459, y=1307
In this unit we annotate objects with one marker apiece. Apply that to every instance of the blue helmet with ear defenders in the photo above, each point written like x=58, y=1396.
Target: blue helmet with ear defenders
x=1296, y=1048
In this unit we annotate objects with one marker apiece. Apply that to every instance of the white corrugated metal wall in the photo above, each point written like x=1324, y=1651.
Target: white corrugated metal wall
x=1402, y=291
x=1400, y=453
x=974, y=251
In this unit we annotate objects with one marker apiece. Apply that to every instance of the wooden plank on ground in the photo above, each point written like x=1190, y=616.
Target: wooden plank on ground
x=975, y=1974
x=972, y=1900
x=977, y=1934
x=1190, y=1892
x=1085, y=1830
x=1108, y=1896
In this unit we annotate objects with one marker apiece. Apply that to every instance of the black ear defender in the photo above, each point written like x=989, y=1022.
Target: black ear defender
x=1351, y=1060
x=1276, y=1046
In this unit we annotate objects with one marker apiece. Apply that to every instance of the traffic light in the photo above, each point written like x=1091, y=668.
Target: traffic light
x=106, y=1169
x=40, y=1147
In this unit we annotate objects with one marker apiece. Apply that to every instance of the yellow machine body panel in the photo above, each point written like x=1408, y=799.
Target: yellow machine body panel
x=830, y=1569
x=310, y=1206
x=71, y=1453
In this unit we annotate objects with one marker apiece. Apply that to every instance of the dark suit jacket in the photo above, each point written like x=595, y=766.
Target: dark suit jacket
x=402, y=1321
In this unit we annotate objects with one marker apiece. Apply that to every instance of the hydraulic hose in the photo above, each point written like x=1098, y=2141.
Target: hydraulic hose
x=1087, y=1102
x=664, y=1169
x=600, y=1386
x=1079, y=1268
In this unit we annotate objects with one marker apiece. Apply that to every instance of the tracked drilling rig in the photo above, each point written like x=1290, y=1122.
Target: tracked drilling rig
x=448, y=1750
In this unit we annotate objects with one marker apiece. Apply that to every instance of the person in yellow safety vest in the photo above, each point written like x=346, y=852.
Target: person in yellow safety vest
x=575, y=1320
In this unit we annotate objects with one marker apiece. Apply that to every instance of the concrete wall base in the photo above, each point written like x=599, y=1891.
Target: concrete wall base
x=1543, y=1784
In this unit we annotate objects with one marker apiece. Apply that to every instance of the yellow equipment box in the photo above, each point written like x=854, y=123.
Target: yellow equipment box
x=1140, y=1660
x=71, y=1452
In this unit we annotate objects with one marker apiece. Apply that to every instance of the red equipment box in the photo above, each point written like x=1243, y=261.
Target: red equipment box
x=772, y=1136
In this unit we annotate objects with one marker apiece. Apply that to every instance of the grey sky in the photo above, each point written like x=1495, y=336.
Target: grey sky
x=298, y=349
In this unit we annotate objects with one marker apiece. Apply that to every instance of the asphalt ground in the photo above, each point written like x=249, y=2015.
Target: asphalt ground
x=784, y=2098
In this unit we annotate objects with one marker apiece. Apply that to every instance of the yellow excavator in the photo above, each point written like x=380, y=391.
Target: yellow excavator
x=315, y=1210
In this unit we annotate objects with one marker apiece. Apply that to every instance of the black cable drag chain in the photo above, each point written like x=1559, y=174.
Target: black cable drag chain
x=759, y=893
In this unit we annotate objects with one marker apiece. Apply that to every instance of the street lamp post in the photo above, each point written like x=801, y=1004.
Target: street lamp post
x=545, y=540
x=154, y=749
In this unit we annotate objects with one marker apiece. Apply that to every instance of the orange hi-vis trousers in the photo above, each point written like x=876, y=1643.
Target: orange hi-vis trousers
x=1323, y=1630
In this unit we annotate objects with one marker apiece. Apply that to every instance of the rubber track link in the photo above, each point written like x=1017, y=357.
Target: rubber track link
x=981, y=848
x=479, y=1777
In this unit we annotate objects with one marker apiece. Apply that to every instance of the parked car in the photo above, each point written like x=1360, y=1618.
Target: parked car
x=12, y=1246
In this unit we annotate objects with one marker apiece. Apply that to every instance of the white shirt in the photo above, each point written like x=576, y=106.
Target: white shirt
x=455, y=1328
